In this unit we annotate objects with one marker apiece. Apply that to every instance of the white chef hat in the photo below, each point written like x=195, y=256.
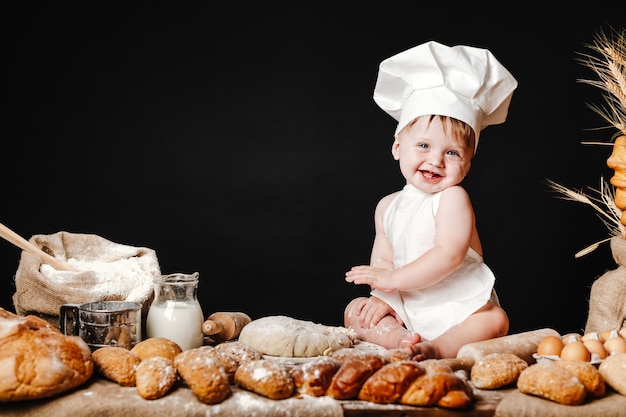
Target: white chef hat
x=462, y=82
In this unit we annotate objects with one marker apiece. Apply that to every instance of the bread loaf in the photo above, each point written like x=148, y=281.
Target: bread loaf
x=588, y=374
x=38, y=361
x=239, y=351
x=155, y=376
x=117, y=364
x=313, y=377
x=204, y=374
x=434, y=366
x=552, y=382
x=444, y=389
x=497, y=370
x=344, y=354
x=229, y=364
x=613, y=370
x=387, y=385
x=352, y=374
x=266, y=378
x=156, y=346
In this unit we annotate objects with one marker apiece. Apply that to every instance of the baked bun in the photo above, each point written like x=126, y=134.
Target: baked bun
x=37, y=360
x=387, y=385
x=266, y=378
x=203, y=374
x=155, y=376
x=156, y=346
x=313, y=377
x=229, y=364
x=117, y=364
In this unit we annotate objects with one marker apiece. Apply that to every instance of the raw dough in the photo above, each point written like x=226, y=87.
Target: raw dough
x=289, y=337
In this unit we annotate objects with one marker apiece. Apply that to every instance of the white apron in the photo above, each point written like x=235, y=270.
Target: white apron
x=409, y=224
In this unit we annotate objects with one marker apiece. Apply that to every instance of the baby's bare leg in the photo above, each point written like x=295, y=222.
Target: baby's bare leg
x=486, y=323
x=387, y=333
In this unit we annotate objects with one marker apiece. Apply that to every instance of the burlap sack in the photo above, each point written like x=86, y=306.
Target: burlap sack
x=607, y=301
x=41, y=290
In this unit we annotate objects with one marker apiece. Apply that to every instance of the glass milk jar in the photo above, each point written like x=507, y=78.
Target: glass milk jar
x=175, y=312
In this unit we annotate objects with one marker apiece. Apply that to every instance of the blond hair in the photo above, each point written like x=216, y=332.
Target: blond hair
x=459, y=129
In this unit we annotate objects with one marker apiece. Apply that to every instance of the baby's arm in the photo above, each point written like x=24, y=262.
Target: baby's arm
x=382, y=252
x=454, y=224
x=381, y=258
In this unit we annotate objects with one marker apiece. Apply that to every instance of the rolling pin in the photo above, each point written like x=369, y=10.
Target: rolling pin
x=223, y=326
x=523, y=345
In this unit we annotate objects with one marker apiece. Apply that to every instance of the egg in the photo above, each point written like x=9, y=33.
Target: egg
x=590, y=335
x=575, y=351
x=604, y=335
x=550, y=345
x=615, y=344
x=571, y=337
x=597, y=347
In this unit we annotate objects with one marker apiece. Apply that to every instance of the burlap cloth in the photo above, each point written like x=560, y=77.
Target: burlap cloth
x=607, y=301
x=100, y=397
x=40, y=290
x=517, y=404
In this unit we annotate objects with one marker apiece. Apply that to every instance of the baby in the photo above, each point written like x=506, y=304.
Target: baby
x=431, y=291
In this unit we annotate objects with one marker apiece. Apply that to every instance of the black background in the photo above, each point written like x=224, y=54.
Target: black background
x=242, y=142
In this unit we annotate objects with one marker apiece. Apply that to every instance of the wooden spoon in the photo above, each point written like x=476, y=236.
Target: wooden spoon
x=20, y=242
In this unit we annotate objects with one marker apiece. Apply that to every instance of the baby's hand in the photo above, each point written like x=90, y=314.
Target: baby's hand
x=376, y=278
x=372, y=310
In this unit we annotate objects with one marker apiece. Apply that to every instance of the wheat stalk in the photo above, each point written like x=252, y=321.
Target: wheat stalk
x=611, y=214
x=610, y=66
x=609, y=63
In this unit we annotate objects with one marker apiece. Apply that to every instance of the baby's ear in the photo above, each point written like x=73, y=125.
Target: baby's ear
x=394, y=149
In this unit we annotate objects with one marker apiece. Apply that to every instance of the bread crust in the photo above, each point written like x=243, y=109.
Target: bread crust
x=552, y=382
x=588, y=374
x=313, y=378
x=497, y=370
x=155, y=376
x=38, y=361
x=117, y=364
x=266, y=378
x=444, y=389
x=354, y=371
x=229, y=364
x=156, y=346
x=239, y=351
x=387, y=385
x=203, y=374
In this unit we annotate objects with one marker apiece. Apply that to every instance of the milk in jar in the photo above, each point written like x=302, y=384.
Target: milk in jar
x=175, y=312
